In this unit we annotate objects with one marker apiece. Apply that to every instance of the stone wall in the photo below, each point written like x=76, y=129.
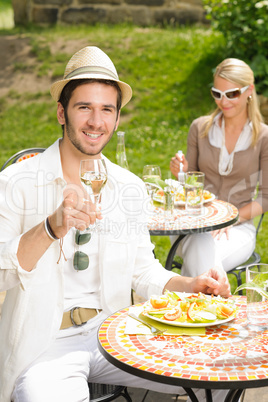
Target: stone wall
x=138, y=12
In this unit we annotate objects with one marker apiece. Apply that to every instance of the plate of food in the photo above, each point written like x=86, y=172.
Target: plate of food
x=189, y=310
x=180, y=197
x=159, y=196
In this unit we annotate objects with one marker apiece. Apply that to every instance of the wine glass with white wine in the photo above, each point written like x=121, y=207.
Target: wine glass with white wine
x=151, y=173
x=93, y=176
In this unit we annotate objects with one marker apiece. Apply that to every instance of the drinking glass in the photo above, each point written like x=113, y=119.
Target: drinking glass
x=194, y=186
x=257, y=302
x=93, y=176
x=152, y=172
x=169, y=197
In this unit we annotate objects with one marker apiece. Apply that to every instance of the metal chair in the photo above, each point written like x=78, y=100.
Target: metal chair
x=106, y=392
x=98, y=392
x=21, y=155
x=253, y=259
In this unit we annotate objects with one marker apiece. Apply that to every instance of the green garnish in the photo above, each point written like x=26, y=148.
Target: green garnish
x=192, y=180
x=253, y=286
x=171, y=295
x=156, y=182
x=196, y=300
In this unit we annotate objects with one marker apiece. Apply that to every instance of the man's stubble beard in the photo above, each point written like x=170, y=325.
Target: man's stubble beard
x=69, y=130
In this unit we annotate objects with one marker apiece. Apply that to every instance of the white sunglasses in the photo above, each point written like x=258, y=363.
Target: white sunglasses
x=229, y=94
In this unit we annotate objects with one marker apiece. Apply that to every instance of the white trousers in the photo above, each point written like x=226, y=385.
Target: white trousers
x=200, y=251
x=63, y=371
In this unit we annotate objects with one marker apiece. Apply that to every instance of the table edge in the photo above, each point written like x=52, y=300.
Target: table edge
x=166, y=232
x=182, y=382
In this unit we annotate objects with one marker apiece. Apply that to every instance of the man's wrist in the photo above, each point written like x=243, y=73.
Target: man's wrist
x=49, y=230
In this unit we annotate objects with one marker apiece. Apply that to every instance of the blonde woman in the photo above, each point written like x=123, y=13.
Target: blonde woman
x=231, y=147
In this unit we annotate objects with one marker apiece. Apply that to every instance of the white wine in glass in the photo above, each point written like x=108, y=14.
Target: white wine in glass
x=93, y=176
x=151, y=172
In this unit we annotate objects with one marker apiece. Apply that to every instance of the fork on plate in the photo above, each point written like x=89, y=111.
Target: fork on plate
x=155, y=331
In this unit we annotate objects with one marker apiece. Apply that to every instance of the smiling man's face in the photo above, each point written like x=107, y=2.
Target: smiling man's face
x=91, y=117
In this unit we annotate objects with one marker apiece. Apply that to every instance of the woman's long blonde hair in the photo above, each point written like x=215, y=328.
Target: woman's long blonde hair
x=238, y=72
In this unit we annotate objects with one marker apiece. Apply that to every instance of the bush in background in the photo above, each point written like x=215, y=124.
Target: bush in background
x=243, y=23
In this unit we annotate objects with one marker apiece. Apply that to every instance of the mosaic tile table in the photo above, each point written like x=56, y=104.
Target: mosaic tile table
x=216, y=215
x=231, y=356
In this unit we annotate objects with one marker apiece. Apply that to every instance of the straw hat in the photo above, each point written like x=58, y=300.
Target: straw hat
x=90, y=62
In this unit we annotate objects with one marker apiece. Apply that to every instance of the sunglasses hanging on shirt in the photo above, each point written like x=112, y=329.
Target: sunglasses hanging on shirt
x=230, y=94
x=81, y=259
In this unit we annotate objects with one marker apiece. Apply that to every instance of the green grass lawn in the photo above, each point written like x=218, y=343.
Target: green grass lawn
x=169, y=69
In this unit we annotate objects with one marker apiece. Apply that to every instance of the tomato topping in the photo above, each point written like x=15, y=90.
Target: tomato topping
x=159, y=301
x=160, y=192
x=226, y=311
x=173, y=315
x=190, y=311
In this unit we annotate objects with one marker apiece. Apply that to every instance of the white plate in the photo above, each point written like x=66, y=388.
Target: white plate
x=182, y=203
x=189, y=324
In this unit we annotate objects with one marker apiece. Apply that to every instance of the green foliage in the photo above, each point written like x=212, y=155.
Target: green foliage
x=244, y=25
x=261, y=246
x=5, y=4
x=6, y=14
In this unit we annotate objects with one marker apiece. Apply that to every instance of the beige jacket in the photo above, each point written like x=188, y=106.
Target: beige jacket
x=249, y=168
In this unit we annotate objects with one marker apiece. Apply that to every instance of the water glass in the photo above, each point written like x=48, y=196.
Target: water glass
x=257, y=304
x=169, y=197
x=194, y=186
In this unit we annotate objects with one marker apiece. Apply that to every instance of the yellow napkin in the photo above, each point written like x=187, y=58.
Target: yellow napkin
x=134, y=327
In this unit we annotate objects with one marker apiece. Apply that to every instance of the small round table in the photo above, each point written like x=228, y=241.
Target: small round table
x=216, y=215
x=230, y=356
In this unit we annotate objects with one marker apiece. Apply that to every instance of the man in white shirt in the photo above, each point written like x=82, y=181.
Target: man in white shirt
x=46, y=353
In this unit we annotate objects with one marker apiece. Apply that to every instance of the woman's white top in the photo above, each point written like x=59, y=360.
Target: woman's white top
x=216, y=136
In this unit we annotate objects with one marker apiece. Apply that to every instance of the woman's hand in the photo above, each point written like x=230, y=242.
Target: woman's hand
x=175, y=164
x=217, y=234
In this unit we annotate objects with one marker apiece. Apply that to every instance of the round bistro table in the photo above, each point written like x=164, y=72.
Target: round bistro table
x=216, y=215
x=230, y=356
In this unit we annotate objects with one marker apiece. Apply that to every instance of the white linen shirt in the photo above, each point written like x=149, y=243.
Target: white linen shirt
x=32, y=311
x=216, y=136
